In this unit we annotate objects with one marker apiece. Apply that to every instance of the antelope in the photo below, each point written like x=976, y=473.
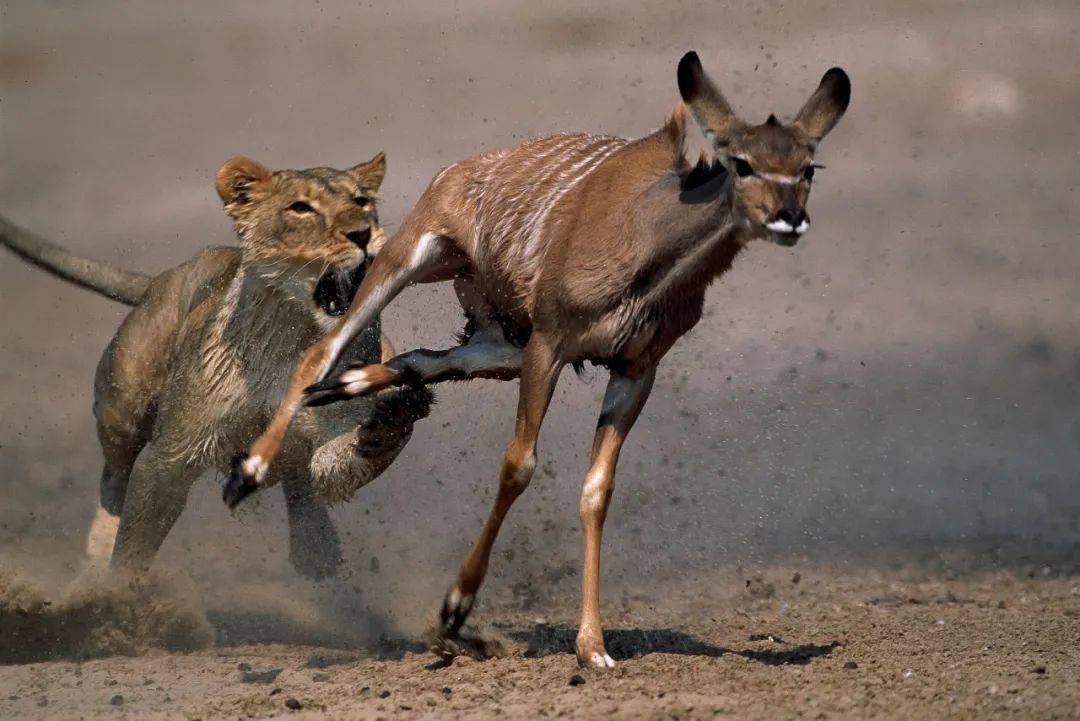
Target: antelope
x=565, y=249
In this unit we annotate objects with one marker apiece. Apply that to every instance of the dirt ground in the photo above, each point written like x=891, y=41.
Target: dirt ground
x=816, y=642
x=901, y=388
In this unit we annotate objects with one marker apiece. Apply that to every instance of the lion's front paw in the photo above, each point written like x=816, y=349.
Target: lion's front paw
x=391, y=421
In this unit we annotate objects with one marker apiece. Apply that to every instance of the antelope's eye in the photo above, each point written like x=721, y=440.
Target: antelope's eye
x=808, y=172
x=301, y=207
x=362, y=200
x=742, y=168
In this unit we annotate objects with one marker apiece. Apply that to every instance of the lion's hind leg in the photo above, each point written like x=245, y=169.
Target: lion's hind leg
x=126, y=389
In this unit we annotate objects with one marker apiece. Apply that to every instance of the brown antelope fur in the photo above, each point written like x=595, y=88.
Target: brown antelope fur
x=199, y=364
x=573, y=248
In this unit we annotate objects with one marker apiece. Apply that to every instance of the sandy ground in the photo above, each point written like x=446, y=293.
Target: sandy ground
x=901, y=390
x=815, y=642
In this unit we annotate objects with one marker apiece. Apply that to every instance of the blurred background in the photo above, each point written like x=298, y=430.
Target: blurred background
x=901, y=388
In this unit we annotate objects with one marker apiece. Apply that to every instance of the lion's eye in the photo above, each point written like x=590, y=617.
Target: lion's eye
x=362, y=200
x=808, y=172
x=743, y=168
x=301, y=207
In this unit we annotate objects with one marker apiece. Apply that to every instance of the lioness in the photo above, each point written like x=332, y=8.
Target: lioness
x=202, y=360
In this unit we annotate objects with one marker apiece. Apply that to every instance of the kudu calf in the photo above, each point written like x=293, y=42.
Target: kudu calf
x=572, y=248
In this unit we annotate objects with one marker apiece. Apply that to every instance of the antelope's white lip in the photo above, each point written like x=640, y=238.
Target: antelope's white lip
x=782, y=226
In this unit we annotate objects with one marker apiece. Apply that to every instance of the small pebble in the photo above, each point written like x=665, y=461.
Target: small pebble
x=1039, y=669
x=117, y=700
x=447, y=690
x=384, y=694
x=577, y=680
x=291, y=703
x=851, y=664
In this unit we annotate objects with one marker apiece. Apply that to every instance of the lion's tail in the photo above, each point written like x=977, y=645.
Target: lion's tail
x=122, y=285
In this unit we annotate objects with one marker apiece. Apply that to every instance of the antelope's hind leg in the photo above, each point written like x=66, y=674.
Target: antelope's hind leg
x=623, y=401
x=539, y=372
x=485, y=355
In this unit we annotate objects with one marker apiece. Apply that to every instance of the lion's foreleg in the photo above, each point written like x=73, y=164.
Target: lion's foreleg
x=350, y=461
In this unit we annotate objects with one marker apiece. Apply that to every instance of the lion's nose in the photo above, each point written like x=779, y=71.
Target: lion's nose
x=360, y=237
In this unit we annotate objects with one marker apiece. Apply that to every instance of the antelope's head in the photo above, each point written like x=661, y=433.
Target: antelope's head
x=772, y=164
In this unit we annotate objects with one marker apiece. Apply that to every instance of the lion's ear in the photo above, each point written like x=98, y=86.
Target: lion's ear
x=370, y=174
x=238, y=178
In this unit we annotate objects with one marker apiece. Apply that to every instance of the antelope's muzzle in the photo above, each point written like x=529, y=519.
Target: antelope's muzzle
x=788, y=225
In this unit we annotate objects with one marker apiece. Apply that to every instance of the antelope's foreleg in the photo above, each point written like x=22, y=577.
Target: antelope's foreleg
x=623, y=401
x=409, y=257
x=539, y=373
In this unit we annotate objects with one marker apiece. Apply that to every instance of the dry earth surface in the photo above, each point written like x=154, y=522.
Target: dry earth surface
x=817, y=642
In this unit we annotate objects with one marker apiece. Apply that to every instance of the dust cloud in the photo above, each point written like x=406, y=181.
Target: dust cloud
x=99, y=614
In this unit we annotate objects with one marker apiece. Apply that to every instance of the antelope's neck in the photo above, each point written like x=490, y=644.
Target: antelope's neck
x=695, y=235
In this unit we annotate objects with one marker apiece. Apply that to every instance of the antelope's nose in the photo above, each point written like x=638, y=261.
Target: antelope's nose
x=360, y=237
x=795, y=217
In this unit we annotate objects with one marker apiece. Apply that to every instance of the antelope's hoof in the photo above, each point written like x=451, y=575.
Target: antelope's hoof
x=593, y=655
x=243, y=480
x=450, y=646
x=596, y=660
x=325, y=392
x=455, y=609
x=355, y=381
x=446, y=639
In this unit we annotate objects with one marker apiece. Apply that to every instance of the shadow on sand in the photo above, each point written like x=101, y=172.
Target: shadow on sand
x=235, y=629
x=370, y=637
x=623, y=643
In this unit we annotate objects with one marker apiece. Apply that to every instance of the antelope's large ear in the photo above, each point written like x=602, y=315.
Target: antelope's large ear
x=370, y=174
x=706, y=102
x=826, y=106
x=237, y=179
